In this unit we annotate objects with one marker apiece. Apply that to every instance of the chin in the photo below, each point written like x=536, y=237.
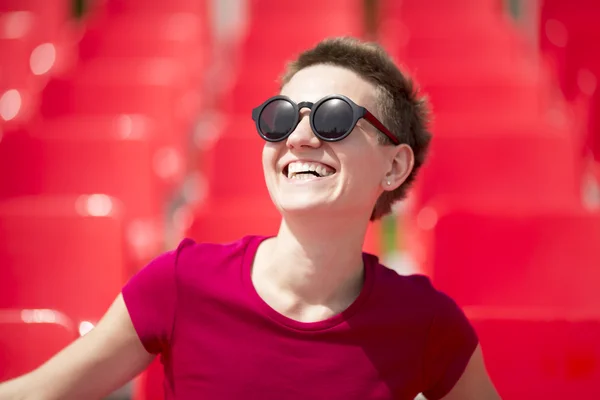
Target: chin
x=302, y=204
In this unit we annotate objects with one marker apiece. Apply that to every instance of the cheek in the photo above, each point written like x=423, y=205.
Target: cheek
x=363, y=176
x=365, y=165
x=367, y=177
x=269, y=154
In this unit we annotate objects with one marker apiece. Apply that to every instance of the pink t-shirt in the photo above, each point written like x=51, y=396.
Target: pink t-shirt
x=218, y=340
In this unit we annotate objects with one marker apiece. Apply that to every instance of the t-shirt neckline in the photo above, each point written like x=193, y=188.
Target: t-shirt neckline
x=369, y=262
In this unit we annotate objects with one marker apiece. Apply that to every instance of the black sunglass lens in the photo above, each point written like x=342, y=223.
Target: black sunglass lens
x=333, y=118
x=277, y=119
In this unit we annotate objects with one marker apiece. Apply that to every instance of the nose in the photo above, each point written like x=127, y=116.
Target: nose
x=303, y=136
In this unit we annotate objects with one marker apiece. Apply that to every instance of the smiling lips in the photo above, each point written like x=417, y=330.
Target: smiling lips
x=307, y=170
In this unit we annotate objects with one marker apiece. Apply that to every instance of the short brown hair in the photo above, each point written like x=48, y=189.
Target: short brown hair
x=400, y=107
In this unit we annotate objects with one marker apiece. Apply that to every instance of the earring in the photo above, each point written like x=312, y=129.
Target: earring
x=389, y=183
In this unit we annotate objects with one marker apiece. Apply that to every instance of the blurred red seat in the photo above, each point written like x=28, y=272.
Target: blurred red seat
x=182, y=37
x=157, y=88
x=51, y=16
x=64, y=253
x=29, y=337
x=509, y=257
x=28, y=57
x=199, y=7
x=233, y=166
x=228, y=220
x=500, y=99
x=568, y=29
x=26, y=60
x=149, y=384
x=503, y=164
x=271, y=7
x=117, y=155
x=442, y=7
x=291, y=37
x=250, y=89
x=16, y=44
x=540, y=355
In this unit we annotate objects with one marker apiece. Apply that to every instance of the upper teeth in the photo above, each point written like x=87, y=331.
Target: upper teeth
x=297, y=167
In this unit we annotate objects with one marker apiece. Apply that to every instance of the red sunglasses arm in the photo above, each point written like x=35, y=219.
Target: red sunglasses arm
x=377, y=124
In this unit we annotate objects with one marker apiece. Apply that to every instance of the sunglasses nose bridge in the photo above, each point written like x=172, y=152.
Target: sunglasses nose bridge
x=302, y=136
x=305, y=104
x=301, y=113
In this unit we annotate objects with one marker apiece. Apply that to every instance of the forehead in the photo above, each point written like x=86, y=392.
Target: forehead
x=318, y=81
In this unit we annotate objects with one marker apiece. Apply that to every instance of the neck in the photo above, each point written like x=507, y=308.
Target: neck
x=316, y=261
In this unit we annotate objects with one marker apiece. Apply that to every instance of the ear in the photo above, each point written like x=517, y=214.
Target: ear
x=402, y=163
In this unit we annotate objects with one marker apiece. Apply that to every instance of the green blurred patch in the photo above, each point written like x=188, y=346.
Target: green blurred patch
x=389, y=232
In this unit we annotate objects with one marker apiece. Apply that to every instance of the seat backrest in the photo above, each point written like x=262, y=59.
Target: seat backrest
x=540, y=357
x=507, y=258
x=29, y=337
x=64, y=253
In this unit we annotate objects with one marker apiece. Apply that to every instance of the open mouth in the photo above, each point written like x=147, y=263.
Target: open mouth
x=307, y=170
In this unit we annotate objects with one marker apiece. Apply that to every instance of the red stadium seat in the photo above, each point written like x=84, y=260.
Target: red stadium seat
x=270, y=7
x=567, y=30
x=64, y=253
x=532, y=164
x=256, y=76
x=229, y=220
x=509, y=257
x=249, y=90
x=157, y=88
x=182, y=37
x=534, y=355
x=27, y=59
x=233, y=166
x=29, y=337
x=16, y=45
x=51, y=16
x=441, y=7
x=116, y=155
x=149, y=384
x=500, y=98
x=199, y=7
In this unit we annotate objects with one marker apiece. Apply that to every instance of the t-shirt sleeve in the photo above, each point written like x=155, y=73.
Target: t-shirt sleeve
x=151, y=297
x=450, y=345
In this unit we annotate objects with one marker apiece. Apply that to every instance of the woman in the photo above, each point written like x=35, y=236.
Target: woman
x=304, y=314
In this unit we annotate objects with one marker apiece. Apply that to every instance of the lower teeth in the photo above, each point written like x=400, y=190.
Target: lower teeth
x=304, y=176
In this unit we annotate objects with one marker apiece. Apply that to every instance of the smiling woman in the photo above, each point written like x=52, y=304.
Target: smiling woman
x=304, y=314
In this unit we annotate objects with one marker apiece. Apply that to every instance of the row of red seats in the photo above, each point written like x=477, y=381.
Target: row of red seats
x=32, y=39
x=496, y=217
x=568, y=32
x=36, y=43
x=539, y=355
x=527, y=279
x=86, y=174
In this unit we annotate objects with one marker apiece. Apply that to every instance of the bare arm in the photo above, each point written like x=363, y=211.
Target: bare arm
x=92, y=367
x=475, y=382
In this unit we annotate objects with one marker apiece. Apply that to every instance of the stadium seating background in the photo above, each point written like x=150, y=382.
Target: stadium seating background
x=125, y=126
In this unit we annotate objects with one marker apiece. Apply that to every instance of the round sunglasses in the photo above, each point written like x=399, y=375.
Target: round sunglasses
x=332, y=118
